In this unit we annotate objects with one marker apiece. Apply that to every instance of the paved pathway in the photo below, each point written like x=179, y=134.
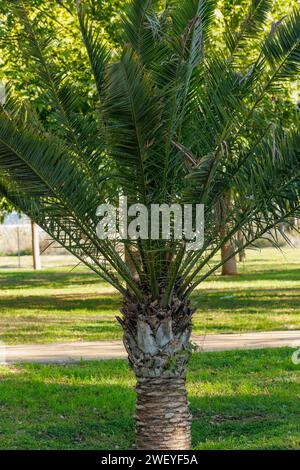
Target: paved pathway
x=74, y=352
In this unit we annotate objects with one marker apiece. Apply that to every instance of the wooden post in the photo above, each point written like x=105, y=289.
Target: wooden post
x=35, y=247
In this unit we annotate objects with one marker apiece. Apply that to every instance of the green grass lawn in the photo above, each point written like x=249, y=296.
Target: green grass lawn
x=239, y=400
x=59, y=305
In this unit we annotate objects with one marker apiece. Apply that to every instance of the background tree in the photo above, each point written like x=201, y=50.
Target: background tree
x=234, y=19
x=172, y=123
x=57, y=17
x=5, y=208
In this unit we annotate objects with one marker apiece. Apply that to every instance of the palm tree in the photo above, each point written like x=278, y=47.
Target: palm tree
x=177, y=120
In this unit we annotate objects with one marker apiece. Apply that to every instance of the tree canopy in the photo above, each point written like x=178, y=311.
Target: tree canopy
x=176, y=111
x=168, y=94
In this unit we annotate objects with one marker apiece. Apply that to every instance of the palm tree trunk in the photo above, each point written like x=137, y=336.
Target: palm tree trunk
x=157, y=342
x=163, y=419
x=229, y=267
x=242, y=253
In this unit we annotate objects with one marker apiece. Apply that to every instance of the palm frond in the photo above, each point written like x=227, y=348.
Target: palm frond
x=267, y=190
x=178, y=121
x=97, y=50
x=134, y=118
x=72, y=123
x=136, y=32
x=250, y=27
x=282, y=50
x=49, y=187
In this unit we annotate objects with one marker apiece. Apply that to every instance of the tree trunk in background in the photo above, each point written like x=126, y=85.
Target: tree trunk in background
x=35, y=247
x=242, y=253
x=229, y=268
x=157, y=342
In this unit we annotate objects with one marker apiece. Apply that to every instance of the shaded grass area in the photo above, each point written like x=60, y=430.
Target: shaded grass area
x=59, y=305
x=239, y=400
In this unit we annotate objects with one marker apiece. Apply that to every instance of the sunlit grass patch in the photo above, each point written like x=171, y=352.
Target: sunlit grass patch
x=239, y=400
x=58, y=305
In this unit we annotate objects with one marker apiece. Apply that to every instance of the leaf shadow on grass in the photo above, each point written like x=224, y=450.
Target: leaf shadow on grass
x=238, y=399
x=63, y=416
x=46, y=279
x=67, y=407
x=94, y=304
x=264, y=301
x=215, y=299
x=245, y=399
x=52, y=279
x=278, y=274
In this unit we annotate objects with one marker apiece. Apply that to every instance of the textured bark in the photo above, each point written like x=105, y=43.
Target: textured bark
x=163, y=420
x=229, y=267
x=158, y=344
